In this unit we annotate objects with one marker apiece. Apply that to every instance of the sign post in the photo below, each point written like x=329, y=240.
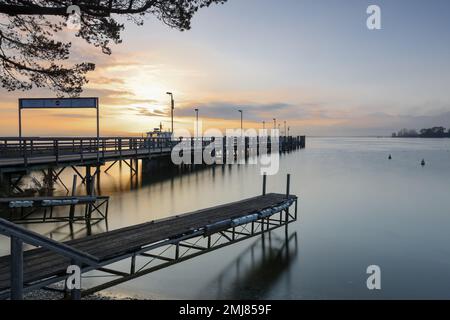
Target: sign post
x=63, y=103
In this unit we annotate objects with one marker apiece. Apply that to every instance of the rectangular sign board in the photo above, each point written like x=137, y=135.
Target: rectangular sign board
x=52, y=103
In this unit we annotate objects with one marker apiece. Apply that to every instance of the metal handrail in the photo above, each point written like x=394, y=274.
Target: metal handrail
x=59, y=147
x=19, y=235
x=10, y=229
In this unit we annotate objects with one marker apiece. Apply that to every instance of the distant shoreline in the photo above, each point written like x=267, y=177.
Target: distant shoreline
x=420, y=137
x=379, y=137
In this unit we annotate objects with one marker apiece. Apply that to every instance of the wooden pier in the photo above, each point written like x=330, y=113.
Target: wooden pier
x=18, y=157
x=27, y=153
x=180, y=238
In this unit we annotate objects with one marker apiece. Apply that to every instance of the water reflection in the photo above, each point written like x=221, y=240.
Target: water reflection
x=257, y=269
x=70, y=231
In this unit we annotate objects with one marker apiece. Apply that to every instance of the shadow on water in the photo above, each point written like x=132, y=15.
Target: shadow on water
x=76, y=230
x=164, y=172
x=150, y=173
x=252, y=274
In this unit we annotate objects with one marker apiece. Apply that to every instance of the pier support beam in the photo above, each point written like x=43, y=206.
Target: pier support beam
x=16, y=269
x=89, y=180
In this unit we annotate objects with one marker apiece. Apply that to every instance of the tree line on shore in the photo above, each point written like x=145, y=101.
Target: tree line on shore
x=435, y=132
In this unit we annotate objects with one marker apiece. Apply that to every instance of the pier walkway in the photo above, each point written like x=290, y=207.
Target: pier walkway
x=20, y=154
x=18, y=157
x=181, y=238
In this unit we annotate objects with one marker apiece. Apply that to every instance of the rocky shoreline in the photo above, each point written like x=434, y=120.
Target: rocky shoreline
x=42, y=294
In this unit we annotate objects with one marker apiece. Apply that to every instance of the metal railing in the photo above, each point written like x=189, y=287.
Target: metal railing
x=19, y=235
x=55, y=147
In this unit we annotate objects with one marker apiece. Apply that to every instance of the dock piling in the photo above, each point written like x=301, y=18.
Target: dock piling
x=74, y=190
x=264, y=184
x=288, y=185
x=16, y=268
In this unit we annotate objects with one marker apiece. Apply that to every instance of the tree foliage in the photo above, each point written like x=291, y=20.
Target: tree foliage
x=31, y=57
x=435, y=132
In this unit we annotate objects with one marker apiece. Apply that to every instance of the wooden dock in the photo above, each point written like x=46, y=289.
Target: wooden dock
x=218, y=226
x=18, y=157
x=34, y=152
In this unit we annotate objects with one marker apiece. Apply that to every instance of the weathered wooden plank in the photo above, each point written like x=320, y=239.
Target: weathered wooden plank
x=41, y=263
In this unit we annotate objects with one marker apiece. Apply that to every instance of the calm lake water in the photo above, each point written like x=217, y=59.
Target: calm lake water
x=356, y=209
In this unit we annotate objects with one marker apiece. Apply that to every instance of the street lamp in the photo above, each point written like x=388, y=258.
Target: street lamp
x=196, y=117
x=274, y=123
x=172, y=106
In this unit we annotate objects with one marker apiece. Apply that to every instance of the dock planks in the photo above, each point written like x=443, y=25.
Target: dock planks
x=41, y=263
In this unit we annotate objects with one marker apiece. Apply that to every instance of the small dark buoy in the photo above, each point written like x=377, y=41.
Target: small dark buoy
x=390, y=157
x=423, y=162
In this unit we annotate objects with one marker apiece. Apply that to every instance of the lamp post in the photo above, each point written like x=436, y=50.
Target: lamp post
x=285, y=130
x=274, y=123
x=264, y=125
x=172, y=106
x=196, y=119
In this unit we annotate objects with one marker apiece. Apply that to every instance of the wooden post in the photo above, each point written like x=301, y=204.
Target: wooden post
x=74, y=190
x=16, y=269
x=262, y=222
x=133, y=264
x=88, y=180
x=264, y=184
x=288, y=185
x=137, y=172
x=177, y=251
x=93, y=185
x=295, y=212
x=91, y=193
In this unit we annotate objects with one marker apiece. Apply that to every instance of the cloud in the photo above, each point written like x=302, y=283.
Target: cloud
x=72, y=115
x=149, y=113
x=252, y=111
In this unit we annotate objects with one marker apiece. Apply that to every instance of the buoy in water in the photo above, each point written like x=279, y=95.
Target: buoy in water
x=390, y=157
x=423, y=162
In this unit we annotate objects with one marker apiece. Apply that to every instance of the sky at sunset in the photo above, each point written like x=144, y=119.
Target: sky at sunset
x=312, y=63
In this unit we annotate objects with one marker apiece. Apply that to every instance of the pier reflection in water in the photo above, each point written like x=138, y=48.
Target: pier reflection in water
x=258, y=268
x=71, y=231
